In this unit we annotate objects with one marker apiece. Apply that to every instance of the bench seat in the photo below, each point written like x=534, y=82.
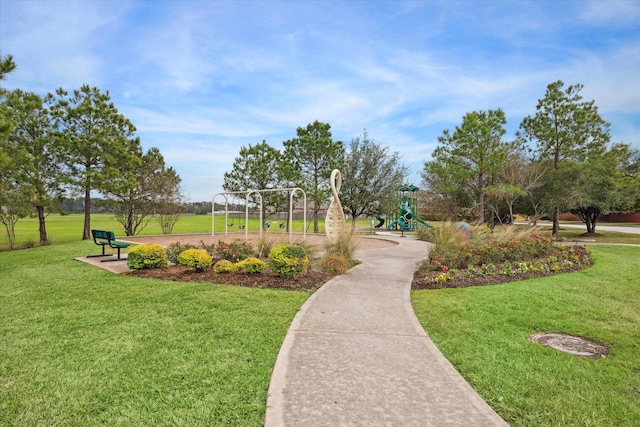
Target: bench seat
x=107, y=238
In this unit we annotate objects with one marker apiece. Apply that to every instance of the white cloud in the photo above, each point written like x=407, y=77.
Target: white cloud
x=201, y=79
x=611, y=12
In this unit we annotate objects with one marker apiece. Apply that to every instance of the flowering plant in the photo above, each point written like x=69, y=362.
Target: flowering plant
x=234, y=251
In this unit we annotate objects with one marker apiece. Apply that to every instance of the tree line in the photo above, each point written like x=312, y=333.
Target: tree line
x=371, y=173
x=56, y=147
x=77, y=143
x=561, y=160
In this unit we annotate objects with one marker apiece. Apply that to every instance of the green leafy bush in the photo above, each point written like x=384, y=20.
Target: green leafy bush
x=334, y=264
x=224, y=266
x=288, y=260
x=147, y=256
x=234, y=251
x=250, y=265
x=195, y=259
x=175, y=249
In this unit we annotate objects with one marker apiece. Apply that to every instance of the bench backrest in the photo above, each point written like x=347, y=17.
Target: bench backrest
x=102, y=234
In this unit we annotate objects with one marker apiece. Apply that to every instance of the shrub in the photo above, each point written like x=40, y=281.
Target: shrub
x=507, y=246
x=224, y=266
x=211, y=249
x=250, y=265
x=334, y=264
x=288, y=260
x=147, y=256
x=308, y=249
x=175, y=249
x=234, y=251
x=195, y=259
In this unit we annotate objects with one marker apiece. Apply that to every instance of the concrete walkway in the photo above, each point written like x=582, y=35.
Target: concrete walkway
x=355, y=355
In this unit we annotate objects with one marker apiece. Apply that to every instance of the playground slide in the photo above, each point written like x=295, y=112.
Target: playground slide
x=405, y=224
x=423, y=222
x=380, y=221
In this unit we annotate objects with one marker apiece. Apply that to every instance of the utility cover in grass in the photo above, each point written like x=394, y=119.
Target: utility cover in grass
x=569, y=344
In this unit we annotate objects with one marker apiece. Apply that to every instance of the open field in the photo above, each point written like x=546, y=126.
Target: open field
x=68, y=228
x=483, y=332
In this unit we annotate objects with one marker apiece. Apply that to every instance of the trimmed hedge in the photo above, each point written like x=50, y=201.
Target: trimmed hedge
x=224, y=266
x=288, y=260
x=250, y=265
x=195, y=259
x=147, y=256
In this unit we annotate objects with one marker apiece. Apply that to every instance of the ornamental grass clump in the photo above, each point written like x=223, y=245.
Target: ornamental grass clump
x=345, y=245
x=147, y=256
x=195, y=259
x=334, y=264
x=288, y=260
x=264, y=246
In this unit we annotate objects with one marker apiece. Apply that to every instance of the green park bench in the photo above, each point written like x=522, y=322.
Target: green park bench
x=107, y=238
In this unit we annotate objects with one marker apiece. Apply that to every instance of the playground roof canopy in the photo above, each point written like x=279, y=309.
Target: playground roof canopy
x=408, y=187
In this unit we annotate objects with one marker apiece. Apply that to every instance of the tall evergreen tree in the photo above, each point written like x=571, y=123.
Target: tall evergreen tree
x=95, y=136
x=32, y=146
x=566, y=130
x=259, y=167
x=471, y=156
x=6, y=66
x=311, y=157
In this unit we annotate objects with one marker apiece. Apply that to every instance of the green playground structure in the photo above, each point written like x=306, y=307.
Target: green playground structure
x=408, y=218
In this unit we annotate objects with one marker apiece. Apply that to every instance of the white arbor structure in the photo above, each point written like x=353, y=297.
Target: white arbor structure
x=249, y=193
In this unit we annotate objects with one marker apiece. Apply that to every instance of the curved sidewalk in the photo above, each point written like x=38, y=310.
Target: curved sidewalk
x=356, y=355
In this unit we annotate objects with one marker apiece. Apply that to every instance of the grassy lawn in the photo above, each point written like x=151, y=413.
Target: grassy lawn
x=483, y=331
x=80, y=346
x=68, y=228
x=602, y=236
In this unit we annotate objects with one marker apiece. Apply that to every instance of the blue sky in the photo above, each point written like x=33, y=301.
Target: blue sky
x=200, y=79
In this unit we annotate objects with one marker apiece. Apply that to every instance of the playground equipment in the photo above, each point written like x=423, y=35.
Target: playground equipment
x=257, y=194
x=408, y=218
x=380, y=221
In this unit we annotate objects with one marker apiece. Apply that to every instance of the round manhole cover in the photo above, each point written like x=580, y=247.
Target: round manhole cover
x=570, y=344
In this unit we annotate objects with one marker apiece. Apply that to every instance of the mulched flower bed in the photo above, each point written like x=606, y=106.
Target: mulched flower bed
x=461, y=280
x=310, y=281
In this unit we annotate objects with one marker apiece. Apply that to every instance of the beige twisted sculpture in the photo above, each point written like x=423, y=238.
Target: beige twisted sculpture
x=334, y=222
